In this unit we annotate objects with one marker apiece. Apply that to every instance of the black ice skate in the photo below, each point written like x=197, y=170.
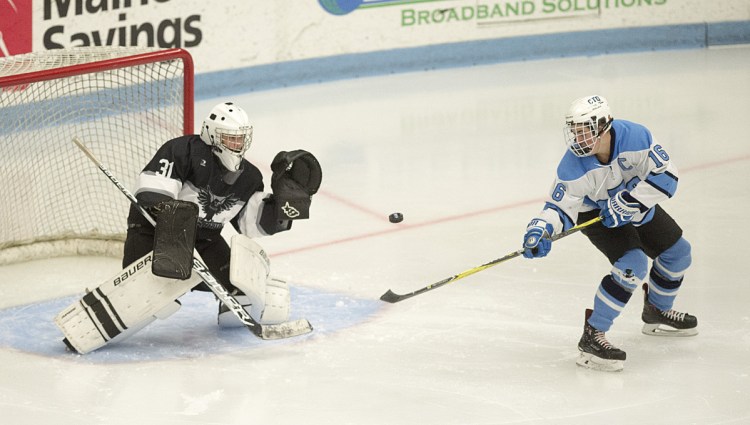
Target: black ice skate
x=596, y=352
x=666, y=323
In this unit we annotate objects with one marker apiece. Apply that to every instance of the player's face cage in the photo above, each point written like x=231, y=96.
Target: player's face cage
x=581, y=137
x=237, y=141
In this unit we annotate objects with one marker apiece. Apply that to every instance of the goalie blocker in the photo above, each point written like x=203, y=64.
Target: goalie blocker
x=174, y=239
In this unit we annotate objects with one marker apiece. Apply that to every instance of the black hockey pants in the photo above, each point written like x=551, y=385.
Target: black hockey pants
x=653, y=238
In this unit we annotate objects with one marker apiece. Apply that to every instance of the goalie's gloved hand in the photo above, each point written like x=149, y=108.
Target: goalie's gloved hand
x=536, y=241
x=620, y=209
x=296, y=177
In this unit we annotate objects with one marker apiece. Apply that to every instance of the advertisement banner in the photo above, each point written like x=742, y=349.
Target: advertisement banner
x=231, y=34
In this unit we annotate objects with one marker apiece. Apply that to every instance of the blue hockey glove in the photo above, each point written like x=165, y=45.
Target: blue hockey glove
x=620, y=209
x=536, y=241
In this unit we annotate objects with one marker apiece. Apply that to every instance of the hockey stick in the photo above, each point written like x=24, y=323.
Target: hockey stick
x=281, y=330
x=392, y=297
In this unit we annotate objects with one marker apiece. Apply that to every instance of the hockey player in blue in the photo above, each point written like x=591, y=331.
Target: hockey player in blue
x=615, y=169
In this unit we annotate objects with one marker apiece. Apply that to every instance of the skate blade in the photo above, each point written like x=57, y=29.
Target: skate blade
x=590, y=361
x=664, y=330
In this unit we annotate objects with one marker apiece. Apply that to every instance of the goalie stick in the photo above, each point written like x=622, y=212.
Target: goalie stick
x=392, y=297
x=278, y=331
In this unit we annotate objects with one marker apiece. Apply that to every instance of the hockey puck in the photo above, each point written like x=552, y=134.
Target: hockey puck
x=396, y=218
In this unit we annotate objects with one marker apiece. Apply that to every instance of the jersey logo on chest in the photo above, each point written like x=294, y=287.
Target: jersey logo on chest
x=213, y=204
x=622, y=162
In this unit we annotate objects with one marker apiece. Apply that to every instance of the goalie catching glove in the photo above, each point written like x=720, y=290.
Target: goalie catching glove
x=296, y=178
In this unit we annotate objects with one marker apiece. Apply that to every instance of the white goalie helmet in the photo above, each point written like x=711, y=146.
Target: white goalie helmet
x=227, y=129
x=587, y=119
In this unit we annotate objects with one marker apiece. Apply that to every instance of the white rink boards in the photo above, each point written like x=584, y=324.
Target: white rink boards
x=467, y=156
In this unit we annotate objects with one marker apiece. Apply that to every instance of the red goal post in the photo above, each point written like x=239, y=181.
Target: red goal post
x=122, y=102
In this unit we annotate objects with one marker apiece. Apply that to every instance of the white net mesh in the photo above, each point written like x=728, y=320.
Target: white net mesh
x=51, y=191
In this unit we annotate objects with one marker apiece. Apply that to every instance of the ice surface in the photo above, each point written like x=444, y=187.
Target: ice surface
x=467, y=156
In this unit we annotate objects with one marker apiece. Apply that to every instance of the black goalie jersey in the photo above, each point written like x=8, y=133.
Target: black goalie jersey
x=185, y=168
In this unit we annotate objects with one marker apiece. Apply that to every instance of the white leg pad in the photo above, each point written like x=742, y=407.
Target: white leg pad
x=265, y=299
x=167, y=311
x=121, y=305
x=276, y=308
x=249, y=268
x=277, y=302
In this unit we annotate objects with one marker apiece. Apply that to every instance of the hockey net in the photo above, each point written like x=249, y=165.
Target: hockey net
x=123, y=103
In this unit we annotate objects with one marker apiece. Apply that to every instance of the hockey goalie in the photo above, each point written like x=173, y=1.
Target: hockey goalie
x=191, y=188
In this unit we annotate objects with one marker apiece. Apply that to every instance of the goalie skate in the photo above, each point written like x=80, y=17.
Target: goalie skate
x=666, y=323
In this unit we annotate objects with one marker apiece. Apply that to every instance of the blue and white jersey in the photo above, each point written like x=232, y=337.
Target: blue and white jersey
x=638, y=163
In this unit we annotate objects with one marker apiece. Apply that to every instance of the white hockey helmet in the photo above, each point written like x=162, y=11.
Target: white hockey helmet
x=587, y=119
x=227, y=129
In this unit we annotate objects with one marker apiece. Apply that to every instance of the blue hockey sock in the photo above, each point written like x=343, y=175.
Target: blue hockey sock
x=667, y=273
x=617, y=287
